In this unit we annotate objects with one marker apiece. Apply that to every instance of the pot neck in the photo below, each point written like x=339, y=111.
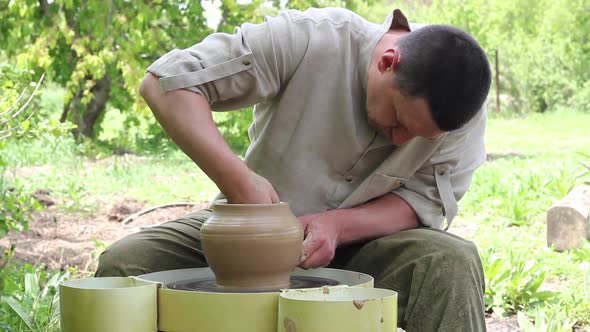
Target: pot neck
x=252, y=209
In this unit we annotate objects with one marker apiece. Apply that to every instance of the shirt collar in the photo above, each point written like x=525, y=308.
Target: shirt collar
x=397, y=20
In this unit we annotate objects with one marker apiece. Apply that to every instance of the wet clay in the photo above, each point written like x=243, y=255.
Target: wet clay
x=252, y=246
x=289, y=325
x=359, y=304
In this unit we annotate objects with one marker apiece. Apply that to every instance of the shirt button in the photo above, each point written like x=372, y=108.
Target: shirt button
x=348, y=178
x=246, y=62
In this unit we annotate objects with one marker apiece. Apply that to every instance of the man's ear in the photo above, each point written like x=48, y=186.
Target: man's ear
x=389, y=60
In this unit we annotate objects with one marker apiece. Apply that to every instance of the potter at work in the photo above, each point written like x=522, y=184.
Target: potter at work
x=370, y=133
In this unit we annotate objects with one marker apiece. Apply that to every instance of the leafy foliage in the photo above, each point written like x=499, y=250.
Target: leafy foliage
x=554, y=320
x=97, y=50
x=18, y=108
x=29, y=298
x=17, y=92
x=512, y=283
x=14, y=209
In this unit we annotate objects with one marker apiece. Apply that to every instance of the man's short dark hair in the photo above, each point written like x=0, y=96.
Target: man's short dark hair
x=448, y=68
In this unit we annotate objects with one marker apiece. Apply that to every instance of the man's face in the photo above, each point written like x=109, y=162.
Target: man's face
x=397, y=116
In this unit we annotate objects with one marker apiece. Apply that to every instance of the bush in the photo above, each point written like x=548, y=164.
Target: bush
x=29, y=298
x=512, y=283
x=17, y=122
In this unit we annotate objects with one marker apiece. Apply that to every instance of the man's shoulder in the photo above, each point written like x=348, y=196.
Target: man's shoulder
x=333, y=15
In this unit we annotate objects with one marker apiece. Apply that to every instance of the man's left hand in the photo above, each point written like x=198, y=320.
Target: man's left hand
x=321, y=239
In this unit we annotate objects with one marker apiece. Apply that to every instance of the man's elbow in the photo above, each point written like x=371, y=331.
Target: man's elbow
x=149, y=87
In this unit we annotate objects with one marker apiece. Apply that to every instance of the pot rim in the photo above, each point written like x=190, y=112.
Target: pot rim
x=224, y=203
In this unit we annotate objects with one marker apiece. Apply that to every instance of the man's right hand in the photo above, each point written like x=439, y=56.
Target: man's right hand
x=254, y=189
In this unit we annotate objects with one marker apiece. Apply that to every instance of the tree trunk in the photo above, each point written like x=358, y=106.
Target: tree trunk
x=85, y=116
x=44, y=5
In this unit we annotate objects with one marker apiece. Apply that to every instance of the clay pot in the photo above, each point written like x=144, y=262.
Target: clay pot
x=252, y=246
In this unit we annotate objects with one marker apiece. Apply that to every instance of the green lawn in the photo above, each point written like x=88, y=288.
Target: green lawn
x=555, y=133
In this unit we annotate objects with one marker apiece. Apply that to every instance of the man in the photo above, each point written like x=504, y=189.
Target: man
x=370, y=132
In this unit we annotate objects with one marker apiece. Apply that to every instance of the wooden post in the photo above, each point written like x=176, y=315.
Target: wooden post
x=497, y=82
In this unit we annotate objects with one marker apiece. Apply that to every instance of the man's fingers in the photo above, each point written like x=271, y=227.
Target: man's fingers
x=318, y=258
x=309, y=246
x=305, y=222
x=316, y=253
x=274, y=197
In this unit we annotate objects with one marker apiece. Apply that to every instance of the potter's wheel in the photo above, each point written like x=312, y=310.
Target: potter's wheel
x=202, y=280
x=209, y=285
x=205, y=308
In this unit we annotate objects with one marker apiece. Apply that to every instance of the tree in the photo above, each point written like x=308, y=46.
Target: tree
x=97, y=50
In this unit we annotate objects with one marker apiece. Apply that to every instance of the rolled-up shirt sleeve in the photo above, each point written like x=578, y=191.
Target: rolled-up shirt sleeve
x=236, y=70
x=434, y=190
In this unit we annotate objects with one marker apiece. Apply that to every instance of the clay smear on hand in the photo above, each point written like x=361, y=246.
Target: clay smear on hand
x=304, y=254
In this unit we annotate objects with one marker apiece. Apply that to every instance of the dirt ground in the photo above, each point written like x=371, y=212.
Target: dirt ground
x=60, y=240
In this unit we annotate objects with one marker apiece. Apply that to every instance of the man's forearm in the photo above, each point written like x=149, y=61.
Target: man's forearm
x=325, y=231
x=386, y=215
x=187, y=119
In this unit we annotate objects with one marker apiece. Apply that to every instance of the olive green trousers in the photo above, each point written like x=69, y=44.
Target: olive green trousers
x=438, y=276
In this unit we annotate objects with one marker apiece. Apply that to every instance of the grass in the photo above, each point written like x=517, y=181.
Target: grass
x=506, y=211
x=29, y=299
x=555, y=133
x=535, y=163
x=83, y=183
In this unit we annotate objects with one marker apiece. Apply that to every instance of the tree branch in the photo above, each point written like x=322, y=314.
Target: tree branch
x=23, y=107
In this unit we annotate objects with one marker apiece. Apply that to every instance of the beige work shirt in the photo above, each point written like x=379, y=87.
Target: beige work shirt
x=306, y=73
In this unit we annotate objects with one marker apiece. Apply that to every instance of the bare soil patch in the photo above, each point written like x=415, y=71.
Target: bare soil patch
x=60, y=240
